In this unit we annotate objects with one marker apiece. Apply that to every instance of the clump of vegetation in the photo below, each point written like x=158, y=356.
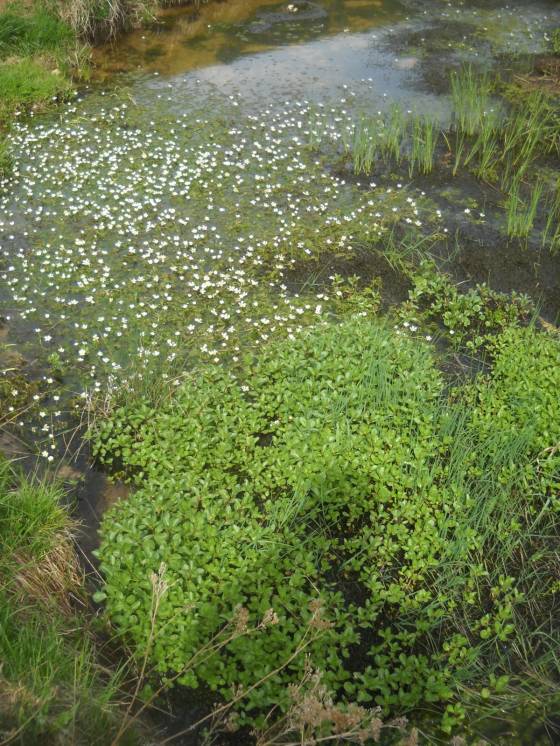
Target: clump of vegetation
x=97, y=20
x=521, y=214
x=469, y=320
x=395, y=138
x=54, y=689
x=35, y=51
x=25, y=83
x=471, y=96
x=37, y=31
x=5, y=159
x=401, y=538
x=44, y=45
x=502, y=142
x=555, y=41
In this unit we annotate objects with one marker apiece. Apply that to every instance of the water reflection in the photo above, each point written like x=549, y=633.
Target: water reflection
x=183, y=39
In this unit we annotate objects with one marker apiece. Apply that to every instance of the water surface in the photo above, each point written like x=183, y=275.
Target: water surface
x=195, y=201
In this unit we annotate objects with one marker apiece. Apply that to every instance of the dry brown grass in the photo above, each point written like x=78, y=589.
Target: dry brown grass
x=102, y=20
x=96, y=21
x=545, y=77
x=55, y=581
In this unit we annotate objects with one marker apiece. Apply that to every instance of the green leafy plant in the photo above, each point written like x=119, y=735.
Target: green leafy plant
x=334, y=474
x=468, y=319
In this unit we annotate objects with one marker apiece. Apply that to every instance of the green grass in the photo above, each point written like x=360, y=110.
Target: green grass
x=521, y=214
x=54, y=689
x=25, y=83
x=503, y=145
x=502, y=142
x=425, y=136
x=364, y=148
x=38, y=54
x=471, y=99
x=5, y=159
x=485, y=150
x=31, y=516
x=393, y=135
x=526, y=133
x=392, y=139
x=551, y=232
x=28, y=34
x=555, y=41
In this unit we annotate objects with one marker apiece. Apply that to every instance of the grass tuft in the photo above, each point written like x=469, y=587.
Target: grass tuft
x=25, y=83
x=40, y=31
x=471, y=99
x=53, y=687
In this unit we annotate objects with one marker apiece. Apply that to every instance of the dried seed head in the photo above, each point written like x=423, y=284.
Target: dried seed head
x=231, y=724
x=460, y=741
x=240, y=620
x=317, y=620
x=412, y=738
x=270, y=618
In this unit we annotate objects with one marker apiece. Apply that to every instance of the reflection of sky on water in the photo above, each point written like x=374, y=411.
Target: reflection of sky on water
x=385, y=58
x=184, y=39
x=314, y=71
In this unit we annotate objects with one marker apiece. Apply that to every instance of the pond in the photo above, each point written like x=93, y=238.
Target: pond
x=195, y=200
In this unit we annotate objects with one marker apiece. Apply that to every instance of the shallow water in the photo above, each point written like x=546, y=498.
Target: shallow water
x=207, y=178
x=181, y=40
x=194, y=202
x=261, y=52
